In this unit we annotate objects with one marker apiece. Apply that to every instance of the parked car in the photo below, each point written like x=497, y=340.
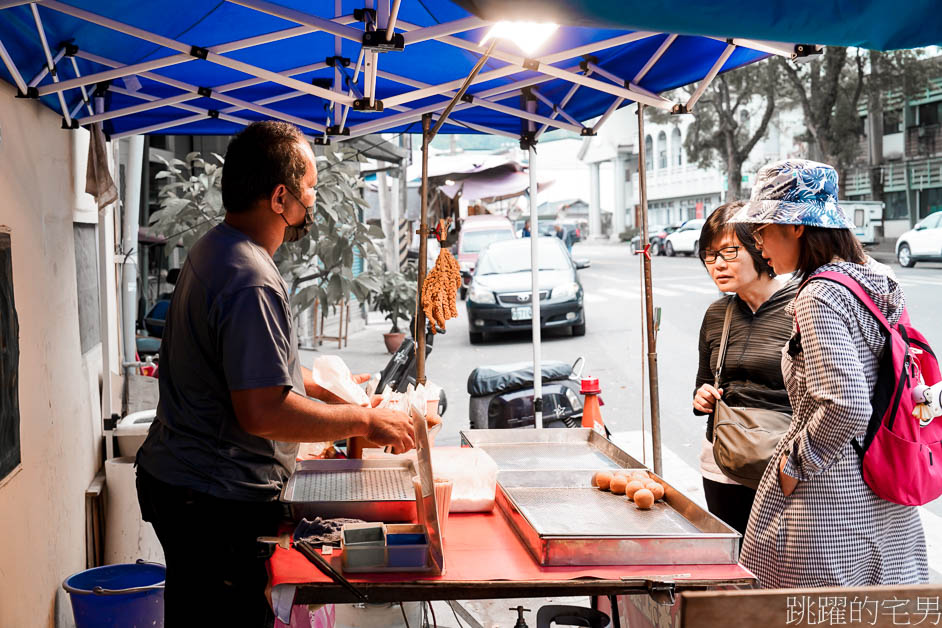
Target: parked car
x=921, y=243
x=499, y=297
x=686, y=239
x=657, y=235
x=476, y=233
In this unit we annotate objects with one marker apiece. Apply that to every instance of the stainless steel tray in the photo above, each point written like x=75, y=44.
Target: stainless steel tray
x=580, y=448
x=372, y=490
x=563, y=520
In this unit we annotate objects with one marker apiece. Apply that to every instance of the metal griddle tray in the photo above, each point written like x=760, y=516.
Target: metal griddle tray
x=580, y=448
x=372, y=490
x=564, y=520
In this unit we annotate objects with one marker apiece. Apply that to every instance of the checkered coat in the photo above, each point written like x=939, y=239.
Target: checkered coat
x=833, y=530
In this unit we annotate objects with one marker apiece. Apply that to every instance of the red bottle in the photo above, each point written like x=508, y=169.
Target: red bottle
x=591, y=416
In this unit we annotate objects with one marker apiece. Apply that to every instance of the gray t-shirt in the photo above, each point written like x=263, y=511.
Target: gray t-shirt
x=229, y=327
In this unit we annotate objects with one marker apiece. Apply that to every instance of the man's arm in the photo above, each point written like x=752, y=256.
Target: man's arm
x=276, y=413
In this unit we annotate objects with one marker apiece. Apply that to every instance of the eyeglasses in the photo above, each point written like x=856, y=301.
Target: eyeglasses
x=757, y=236
x=728, y=253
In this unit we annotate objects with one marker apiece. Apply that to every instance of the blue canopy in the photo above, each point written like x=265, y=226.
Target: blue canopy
x=209, y=67
x=875, y=24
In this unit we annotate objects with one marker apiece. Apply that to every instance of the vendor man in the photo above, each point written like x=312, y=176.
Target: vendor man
x=233, y=396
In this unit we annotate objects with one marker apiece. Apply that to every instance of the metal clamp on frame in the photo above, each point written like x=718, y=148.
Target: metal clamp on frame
x=376, y=40
x=661, y=592
x=335, y=129
x=333, y=61
x=363, y=104
x=199, y=52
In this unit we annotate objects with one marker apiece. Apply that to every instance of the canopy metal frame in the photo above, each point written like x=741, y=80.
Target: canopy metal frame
x=360, y=92
x=357, y=90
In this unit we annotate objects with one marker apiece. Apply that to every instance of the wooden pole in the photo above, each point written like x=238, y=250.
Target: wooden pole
x=419, y=332
x=649, y=300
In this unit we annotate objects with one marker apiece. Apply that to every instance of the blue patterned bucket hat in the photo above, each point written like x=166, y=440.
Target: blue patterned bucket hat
x=795, y=192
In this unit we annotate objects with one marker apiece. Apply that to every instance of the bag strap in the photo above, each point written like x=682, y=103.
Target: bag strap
x=721, y=358
x=857, y=290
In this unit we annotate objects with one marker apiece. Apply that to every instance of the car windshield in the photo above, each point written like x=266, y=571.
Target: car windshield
x=474, y=241
x=516, y=259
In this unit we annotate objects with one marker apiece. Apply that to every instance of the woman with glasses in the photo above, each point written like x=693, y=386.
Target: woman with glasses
x=815, y=522
x=759, y=327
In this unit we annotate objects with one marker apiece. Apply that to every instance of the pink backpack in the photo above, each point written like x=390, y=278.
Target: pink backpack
x=901, y=459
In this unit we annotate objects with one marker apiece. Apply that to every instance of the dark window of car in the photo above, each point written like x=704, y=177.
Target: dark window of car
x=931, y=221
x=474, y=241
x=515, y=259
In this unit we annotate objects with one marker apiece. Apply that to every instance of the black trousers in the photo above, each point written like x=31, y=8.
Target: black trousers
x=730, y=502
x=216, y=573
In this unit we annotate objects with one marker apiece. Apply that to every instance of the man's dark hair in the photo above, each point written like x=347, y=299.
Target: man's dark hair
x=820, y=245
x=259, y=158
x=718, y=225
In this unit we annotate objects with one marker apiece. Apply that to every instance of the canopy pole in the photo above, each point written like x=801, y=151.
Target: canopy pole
x=419, y=332
x=535, y=275
x=12, y=69
x=649, y=302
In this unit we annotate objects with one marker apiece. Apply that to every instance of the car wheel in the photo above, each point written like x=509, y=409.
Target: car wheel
x=578, y=330
x=655, y=248
x=669, y=248
x=464, y=293
x=905, y=256
x=476, y=337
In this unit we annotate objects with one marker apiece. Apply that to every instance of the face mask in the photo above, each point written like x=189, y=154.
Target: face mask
x=294, y=233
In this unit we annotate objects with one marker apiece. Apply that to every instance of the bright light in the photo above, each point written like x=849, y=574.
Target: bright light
x=528, y=36
x=449, y=182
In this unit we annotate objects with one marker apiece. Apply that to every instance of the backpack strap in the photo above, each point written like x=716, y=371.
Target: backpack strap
x=856, y=289
x=724, y=339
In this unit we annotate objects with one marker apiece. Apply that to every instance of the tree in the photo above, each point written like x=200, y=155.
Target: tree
x=830, y=89
x=319, y=266
x=717, y=135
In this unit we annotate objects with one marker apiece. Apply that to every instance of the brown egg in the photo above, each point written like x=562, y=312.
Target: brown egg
x=603, y=479
x=619, y=482
x=641, y=476
x=632, y=487
x=622, y=472
x=644, y=499
x=655, y=487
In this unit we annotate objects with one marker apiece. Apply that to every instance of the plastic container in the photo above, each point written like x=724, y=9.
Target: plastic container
x=131, y=431
x=406, y=545
x=364, y=545
x=118, y=596
x=473, y=475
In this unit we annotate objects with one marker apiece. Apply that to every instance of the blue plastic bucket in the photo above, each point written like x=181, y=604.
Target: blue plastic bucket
x=118, y=596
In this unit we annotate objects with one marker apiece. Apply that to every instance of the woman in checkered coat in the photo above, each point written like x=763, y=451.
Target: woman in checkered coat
x=815, y=522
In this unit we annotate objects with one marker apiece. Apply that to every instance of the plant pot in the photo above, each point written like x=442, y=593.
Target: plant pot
x=393, y=340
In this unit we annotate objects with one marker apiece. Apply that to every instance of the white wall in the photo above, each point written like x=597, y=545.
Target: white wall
x=43, y=502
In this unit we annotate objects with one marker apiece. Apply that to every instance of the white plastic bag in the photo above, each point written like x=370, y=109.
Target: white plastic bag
x=332, y=374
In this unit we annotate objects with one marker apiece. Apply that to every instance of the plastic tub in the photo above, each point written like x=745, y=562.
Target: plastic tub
x=473, y=474
x=118, y=596
x=406, y=545
x=131, y=431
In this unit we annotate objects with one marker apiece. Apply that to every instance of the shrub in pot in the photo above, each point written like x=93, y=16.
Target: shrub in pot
x=396, y=299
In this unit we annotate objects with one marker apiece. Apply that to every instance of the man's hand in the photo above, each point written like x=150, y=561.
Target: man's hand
x=391, y=427
x=787, y=482
x=706, y=398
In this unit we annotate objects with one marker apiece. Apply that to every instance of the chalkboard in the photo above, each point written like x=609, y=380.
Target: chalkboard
x=9, y=364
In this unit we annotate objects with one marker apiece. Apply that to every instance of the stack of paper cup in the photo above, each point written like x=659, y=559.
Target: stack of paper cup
x=442, y=501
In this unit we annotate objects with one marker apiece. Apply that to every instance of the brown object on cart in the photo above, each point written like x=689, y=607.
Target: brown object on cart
x=440, y=290
x=644, y=499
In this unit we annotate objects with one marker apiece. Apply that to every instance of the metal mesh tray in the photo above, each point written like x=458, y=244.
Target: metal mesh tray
x=580, y=448
x=372, y=490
